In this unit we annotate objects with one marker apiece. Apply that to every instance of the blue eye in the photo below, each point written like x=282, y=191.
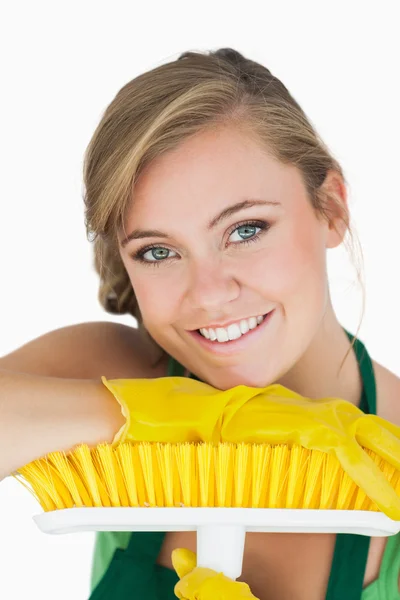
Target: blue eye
x=250, y=231
x=160, y=253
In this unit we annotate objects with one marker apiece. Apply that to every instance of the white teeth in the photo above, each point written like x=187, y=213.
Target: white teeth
x=244, y=326
x=232, y=332
x=252, y=322
x=222, y=334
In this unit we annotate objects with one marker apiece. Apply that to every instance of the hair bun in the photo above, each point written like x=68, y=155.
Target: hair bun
x=231, y=55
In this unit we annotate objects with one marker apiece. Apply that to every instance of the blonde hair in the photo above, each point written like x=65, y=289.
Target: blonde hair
x=156, y=111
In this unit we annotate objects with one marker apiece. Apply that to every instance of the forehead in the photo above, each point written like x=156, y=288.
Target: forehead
x=212, y=169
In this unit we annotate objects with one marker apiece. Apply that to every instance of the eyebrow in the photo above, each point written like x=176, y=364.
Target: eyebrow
x=138, y=234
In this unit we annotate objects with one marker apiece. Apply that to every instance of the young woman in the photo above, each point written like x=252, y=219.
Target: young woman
x=212, y=203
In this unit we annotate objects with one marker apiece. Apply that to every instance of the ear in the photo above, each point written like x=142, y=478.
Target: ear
x=334, y=200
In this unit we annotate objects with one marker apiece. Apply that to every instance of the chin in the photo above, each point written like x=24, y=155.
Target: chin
x=227, y=379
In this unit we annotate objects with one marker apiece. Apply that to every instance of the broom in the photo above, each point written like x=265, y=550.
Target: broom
x=221, y=489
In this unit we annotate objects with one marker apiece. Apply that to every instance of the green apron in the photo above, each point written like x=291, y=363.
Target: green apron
x=133, y=572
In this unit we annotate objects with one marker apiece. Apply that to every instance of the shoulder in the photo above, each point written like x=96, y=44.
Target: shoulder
x=87, y=351
x=388, y=393
x=123, y=351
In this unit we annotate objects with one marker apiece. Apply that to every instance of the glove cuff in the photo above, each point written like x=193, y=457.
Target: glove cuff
x=121, y=434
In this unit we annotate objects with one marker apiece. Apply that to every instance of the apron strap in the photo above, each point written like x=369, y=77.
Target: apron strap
x=351, y=550
x=348, y=567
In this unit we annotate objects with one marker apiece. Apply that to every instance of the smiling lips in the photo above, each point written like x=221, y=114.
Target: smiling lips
x=233, y=331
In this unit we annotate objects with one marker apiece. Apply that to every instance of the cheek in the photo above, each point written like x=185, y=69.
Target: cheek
x=295, y=267
x=156, y=295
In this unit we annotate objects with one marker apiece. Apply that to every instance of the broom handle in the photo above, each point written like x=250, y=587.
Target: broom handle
x=221, y=547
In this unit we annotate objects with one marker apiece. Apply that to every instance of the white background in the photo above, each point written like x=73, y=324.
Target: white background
x=61, y=64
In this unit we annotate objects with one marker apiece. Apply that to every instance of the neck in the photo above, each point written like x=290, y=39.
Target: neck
x=320, y=373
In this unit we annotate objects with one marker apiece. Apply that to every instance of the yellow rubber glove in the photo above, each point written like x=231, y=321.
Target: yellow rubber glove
x=199, y=583
x=180, y=409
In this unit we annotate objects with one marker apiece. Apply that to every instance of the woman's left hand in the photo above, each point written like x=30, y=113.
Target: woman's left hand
x=200, y=583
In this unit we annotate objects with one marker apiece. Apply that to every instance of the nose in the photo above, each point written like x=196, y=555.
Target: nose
x=211, y=285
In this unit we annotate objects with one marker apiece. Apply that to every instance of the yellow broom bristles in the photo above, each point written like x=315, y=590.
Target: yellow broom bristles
x=197, y=474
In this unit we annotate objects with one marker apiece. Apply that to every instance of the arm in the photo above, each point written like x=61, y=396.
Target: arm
x=51, y=395
x=43, y=414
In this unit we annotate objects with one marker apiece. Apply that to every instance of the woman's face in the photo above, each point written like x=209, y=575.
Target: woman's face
x=265, y=258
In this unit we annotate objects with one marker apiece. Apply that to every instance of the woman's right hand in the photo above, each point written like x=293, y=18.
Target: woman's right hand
x=200, y=583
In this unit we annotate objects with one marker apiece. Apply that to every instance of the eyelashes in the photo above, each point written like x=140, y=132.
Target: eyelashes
x=262, y=225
